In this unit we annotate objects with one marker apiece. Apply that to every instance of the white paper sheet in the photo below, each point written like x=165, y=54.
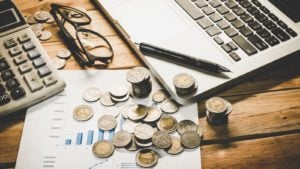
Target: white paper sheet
x=49, y=125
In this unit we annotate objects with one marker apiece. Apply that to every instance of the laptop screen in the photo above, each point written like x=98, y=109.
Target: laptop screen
x=289, y=7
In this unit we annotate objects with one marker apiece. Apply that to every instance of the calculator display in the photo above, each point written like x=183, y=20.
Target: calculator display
x=8, y=17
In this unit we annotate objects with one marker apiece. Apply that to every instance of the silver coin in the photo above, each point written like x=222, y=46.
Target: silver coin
x=42, y=16
x=107, y=122
x=50, y=20
x=122, y=139
x=37, y=29
x=143, y=144
x=216, y=105
x=153, y=114
x=146, y=158
x=59, y=63
x=169, y=106
x=46, y=35
x=132, y=146
x=183, y=81
x=136, y=75
x=143, y=132
x=186, y=125
x=91, y=94
x=31, y=20
x=158, y=97
x=111, y=111
x=162, y=140
x=119, y=91
x=176, y=146
x=137, y=112
x=83, y=113
x=103, y=149
x=190, y=139
x=64, y=54
x=105, y=99
x=118, y=100
x=167, y=123
x=125, y=109
x=130, y=125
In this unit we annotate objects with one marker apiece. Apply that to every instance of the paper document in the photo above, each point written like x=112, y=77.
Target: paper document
x=52, y=138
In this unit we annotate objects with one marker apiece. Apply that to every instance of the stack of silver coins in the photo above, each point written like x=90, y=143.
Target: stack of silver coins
x=217, y=110
x=185, y=84
x=140, y=80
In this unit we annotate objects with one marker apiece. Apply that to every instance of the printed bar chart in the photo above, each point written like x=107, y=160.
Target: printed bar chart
x=90, y=137
x=79, y=138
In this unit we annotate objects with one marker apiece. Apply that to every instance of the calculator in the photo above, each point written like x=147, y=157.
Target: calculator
x=26, y=73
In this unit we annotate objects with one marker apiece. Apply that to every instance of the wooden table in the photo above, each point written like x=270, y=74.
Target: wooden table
x=263, y=130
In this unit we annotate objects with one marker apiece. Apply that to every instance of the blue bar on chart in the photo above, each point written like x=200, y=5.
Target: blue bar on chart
x=68, y=142
x=111, y=134
x=79, y=138
x=100, y=134
x=90, y=137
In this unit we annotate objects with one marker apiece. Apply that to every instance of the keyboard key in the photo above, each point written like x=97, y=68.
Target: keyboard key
x=261, y=17
x=44, y=71
x=273, y=17
x=24, y=38
x=201, y=3
x=208, y=10
x=258, y=4
x=245, y=3
x=231, y=4
x=190, y=8
x=238, y=24
x=246, y=18
x=244, y=45
x=291, y=32
x=3, y=65
x=282, y=24
x=223, y=24
x=272, y=41
x=262, y=32
x=253, y=10
x=246, y=31
x=230, y=17
x=280, y=34
x=269, y=24
x=2, y=89
x=12, y=83
x=33, y=82
x=15, y=51
x=218, y=40
x=238, y=11
x=215, y=3
x=215, y=17
x=24, y=68
x=222, y=10
x=7, y=74
x=213, y=30
x=265, y=10
x=4, y=99
x=204, y=23
x=28, y=46
x=17, y=93
x=230, y=32
x=20, y=59
x=33, y=54
x=39, y=62
x=227, y=48
x=257, y=42
x=254, y=25
x=9, y=43
x=49, y=80
x=232, y=45
x=235, y=56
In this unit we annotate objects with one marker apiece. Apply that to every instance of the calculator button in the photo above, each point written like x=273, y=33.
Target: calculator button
x=44, y=71
x=23, y=38
x=3, y=65
x=39, y=62
x=4, y=99
x=8, y=43
x=2, y=89
x=49, y=80
x=12, y=83
x=8, y=74
x=28, y=46
x=15, y=51
x=33, y=54
x=20, y=59
x=17, y=93
x=33, y=82
x=24, y=68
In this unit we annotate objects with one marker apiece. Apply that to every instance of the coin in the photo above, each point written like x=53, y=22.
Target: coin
x=107, y=122
x=176, y=146
x=83, y=113
x=50, y=20
x=125, y=109
x=118, y=100
x=103, y=149
x=132, y=146
x=59, y=63
x=153, y=114
x=167, y=123
x=143, y=144
x=137, y=112
x=42, y=16
x=119, y=91
x=143, y=131
x=216, y=105
x=146, y=158
x=130, y=125
x=190, y=139
x=37, y=29
x=162, y=139
x=31, y=20
x=64, y=54
x=105, y=99
x=46, y=35
x=183, y=81
x=111, y=111
x=122, y=139
x=169, y=106
x=136, y=75
x=158, y=96
x=91, y=94
x=186, y=125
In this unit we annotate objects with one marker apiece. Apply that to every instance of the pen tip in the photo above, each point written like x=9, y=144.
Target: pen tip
x=224, y=69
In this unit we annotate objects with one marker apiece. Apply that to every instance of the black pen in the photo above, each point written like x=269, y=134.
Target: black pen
x=181, y=58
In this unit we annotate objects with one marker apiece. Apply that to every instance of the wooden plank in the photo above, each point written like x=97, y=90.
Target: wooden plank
x=256, y=116
x=274, y=152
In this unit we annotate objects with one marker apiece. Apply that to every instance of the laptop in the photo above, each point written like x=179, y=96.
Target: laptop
x=242, y=35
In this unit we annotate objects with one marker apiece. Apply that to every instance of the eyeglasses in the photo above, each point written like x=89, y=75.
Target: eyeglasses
x=88, y=47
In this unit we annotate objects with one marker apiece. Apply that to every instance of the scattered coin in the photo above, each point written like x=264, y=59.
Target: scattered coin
x=64, y=54
x=125, y=109
x=111, y=111
x=46, y=35
x=143, y=132
x=216, y=105
x=103, y=149
x=31, y=20
x=176, y=147
x=143, y=144
x=186, y=125
x=50, y=20
x=153, y=115
x=167, y=123
x=130, y=125
x=91, y=94
x=162, y=140
x=59, y=63
x=190, y=139
x=159, y=96
x=42, y=16
x=146, y=158
x=83, y=113
x=118, y=100
x=105, y=99
x=107, y=122
x=137, y=112
x=132, y=146
x=122, y=139
x=119, y=91
x=169, y=106
x=37, y=29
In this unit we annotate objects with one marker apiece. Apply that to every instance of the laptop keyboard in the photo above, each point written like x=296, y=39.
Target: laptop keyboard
x=250, y=25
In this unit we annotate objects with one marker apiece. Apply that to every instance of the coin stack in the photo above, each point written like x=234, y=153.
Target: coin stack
x=185, y=84
x=217, y=110
x=140, y=79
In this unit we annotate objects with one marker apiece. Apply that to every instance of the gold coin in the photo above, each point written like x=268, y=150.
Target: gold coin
x=167, y=123
x=183, y=81
x=83, y=113
x=103, y=149
x=146, y=158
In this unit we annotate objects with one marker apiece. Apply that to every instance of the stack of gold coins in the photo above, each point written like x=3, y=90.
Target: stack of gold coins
x=217, y=110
